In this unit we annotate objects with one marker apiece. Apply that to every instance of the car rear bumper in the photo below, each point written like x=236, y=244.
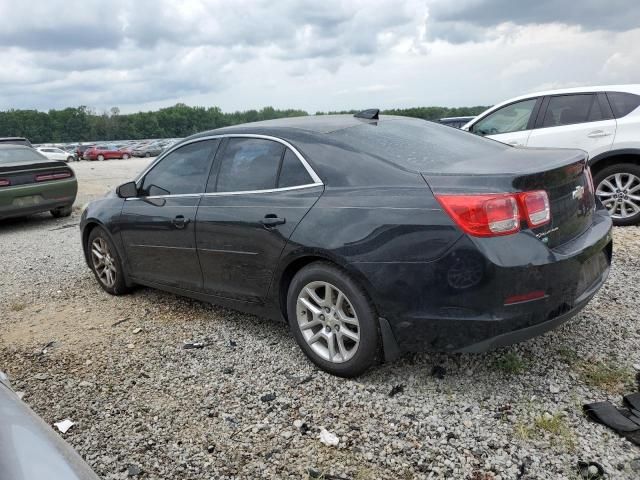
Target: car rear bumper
x=34, y=198
x=465, y=301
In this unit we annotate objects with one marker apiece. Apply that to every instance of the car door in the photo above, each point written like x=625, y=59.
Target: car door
x=581, y=120
x=158, y=226
x=509, y=124
x=259, y=191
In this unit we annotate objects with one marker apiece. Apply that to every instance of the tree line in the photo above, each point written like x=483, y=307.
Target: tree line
x=84, y=124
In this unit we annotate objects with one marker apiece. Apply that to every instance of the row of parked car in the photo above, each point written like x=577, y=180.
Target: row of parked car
x=106, y=151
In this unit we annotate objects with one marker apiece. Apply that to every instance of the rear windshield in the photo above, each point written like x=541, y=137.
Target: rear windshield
x=20, y=155
x=417, y=145
x=15, y=141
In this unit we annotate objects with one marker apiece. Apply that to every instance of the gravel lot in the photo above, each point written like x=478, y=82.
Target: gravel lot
x=249, y=405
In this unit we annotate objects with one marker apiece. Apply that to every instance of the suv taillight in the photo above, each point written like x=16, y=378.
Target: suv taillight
x=4, y=182
x=497, y=214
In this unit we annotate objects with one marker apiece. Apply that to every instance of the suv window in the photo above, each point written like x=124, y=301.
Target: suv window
x=623, y=103
x=510, y=118
x=571, y=109
x=249, y=164
x=183, y=171
x=292, y=172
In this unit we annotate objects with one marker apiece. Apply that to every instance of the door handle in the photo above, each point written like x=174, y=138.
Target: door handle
x=180, y=221
x=598, y=133
x=272, y=220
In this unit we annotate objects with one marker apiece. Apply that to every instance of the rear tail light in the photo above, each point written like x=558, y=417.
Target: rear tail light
x=497, y=214
x=4, y=182
x=537, y=207
x=45, y=177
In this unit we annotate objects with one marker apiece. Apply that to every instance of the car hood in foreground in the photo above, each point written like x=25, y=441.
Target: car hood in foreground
x=30, y=449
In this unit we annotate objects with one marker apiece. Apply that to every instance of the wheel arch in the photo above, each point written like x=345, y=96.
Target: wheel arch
x=294, y=264
x=604, y=160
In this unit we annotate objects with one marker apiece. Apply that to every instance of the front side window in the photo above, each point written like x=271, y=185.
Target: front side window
x=571, y=109
x=249, y=164
x=183, y=171
x=511, y=118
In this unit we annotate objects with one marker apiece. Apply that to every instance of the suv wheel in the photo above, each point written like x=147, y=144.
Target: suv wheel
x=333, y=320
x=618, y=188
x=62, y=211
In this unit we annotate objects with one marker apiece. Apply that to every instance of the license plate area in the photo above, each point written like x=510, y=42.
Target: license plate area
x=28, y=200
x=591, y=271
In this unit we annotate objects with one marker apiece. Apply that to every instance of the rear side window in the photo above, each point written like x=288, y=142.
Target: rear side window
x=623, y=103
x=183, y=171
x=571, y=109
x=292, y=172
x=249, y=164
x=510, y=118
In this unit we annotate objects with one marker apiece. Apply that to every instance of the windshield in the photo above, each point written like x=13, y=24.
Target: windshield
x=20, y=155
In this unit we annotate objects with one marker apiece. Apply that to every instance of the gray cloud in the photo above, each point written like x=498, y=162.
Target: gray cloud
x=468, y=20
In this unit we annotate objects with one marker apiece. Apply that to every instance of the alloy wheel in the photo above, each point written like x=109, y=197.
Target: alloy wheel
x=620, y=194
x=103, y=262
x=328, y=322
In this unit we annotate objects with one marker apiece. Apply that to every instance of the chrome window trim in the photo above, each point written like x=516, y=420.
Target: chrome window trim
x=316, y=179
x=224, y=194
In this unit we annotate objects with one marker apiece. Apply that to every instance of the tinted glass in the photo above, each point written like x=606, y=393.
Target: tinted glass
x=249, y=164
x=183, y=171
x=623, y=103
x=17, y=155
x=569, y=109
x=293, y=172
x=512, y=118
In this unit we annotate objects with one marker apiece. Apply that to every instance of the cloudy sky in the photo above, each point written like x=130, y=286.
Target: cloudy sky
x=309, y=54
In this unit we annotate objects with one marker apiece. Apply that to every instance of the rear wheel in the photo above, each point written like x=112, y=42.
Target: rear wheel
x=105, y=262
x=70, y=159
x=333, y=320
x=618, y=188
x=61, y=211
x=125, y=156
x=100, y=158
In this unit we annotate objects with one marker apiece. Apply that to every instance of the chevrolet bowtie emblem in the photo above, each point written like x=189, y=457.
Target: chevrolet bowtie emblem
x=578, y=193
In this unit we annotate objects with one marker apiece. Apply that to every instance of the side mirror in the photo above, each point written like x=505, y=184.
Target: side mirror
x=127, y=190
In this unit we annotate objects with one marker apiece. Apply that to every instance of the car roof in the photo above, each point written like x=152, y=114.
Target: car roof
x=311, y=123
x=630, y=88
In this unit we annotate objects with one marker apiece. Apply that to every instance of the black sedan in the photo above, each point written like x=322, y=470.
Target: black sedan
x=370, y=236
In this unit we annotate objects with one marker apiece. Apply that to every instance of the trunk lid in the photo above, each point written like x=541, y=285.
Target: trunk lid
x=563, y=174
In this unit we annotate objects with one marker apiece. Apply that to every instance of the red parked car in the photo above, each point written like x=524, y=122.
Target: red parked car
x=104, y=152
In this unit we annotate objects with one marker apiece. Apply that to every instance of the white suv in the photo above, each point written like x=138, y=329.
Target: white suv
x=603, y=121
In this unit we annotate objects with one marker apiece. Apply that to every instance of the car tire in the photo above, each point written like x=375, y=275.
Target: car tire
x=100, y=158
x=125, y=156
x=70, y=159
x=62, y=211
x=147, y=155
x=326, y=321
x=607, y=182
x=110, y=273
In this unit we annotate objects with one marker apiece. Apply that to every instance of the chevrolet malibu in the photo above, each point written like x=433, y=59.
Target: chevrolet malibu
x=370, y=235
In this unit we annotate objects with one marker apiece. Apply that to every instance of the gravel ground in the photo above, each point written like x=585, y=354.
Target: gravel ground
x=249, y=405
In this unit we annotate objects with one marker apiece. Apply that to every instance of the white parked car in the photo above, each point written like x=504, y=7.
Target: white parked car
x=55, y=153
x=603, y=121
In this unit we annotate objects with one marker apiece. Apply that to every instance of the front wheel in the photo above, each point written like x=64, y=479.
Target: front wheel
x=70, y=159
x=618, y=188
x=105, y=262
x=125, y=156
x=333, y=320
x=100, y=158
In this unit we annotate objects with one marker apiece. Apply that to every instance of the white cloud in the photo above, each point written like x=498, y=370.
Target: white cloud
x=306, y=54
